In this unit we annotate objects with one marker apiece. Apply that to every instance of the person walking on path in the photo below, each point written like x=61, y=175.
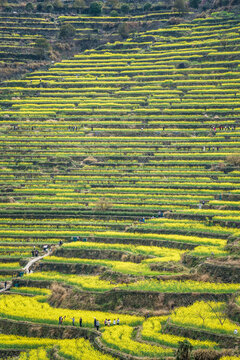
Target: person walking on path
x=80, y=322
x=60, y=320
x=114, y=322
x=118, y=321
x=97, y=325
x=95, y=322
x=73, y=321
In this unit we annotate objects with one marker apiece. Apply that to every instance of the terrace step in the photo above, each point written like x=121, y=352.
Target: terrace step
x=149, y=242
x=227, y=341
x=228, y=272
x=19, y=282
x=99, y=345
x=70, y=268
x=26, y=328
x=233, y=312
x=9, y=353
x=100, y=254
x=129, y=300
x=227, y=223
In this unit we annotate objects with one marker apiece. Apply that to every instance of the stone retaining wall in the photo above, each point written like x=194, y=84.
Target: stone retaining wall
x=117, y=299
x=221, y=272
x=25, y=328
x=227, y=341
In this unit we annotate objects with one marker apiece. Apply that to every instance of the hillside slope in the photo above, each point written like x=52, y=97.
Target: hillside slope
x=129, y=155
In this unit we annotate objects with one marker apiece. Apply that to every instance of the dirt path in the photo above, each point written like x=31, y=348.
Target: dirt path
x=26, y=269
x=33, y=260
x=9, y=285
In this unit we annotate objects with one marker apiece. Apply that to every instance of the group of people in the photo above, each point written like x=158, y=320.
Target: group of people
x=107, y=322
x=35, y=252
x=210, y=148
x=72, y=128
x=159, y=215
x=214, y=128
x=226, y=127
x=77, y=238
x=15, y=127
x=201, y=204
x=61, y=318
x=96, y=323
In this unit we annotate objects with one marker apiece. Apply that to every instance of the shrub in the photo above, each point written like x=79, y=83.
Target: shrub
x=42, y=47
x=125, y=8
x=157, y=7
x=233, y=160
x=114, y=13
x=3, y=3
x=29, y=7
x=113, y=4
x=103, y=204
x=79, y=4
x=67, y=31
x=8, y=8
x=184, y=350
x=58, y=4
x=123, y=30
x=95, y=8
x=39, y=7
x=180, y=6
x=147, y=6
x=194, y=3
x=48, y=8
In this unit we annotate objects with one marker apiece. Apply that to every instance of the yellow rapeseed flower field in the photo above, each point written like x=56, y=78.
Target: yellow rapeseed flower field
x=31, y=309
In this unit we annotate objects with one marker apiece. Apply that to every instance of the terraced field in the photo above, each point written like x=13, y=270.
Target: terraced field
x=124, y=160
x=20, y=30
